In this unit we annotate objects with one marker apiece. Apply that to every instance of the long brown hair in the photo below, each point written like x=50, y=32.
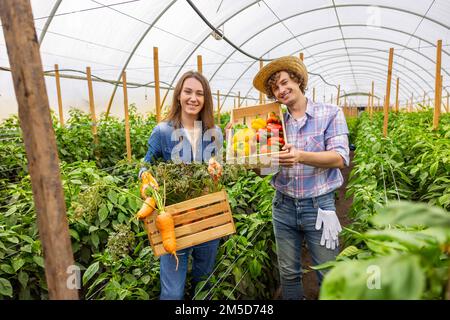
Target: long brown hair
x=206, y=115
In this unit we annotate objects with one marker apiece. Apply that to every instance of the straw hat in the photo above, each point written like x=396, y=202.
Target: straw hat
x=284, y=63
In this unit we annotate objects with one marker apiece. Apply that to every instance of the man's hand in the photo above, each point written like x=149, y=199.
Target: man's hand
x=288, y=159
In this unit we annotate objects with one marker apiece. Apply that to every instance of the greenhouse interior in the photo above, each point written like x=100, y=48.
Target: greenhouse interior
x=224, y=150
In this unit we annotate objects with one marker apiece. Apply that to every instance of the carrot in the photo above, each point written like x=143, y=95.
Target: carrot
x=214, y=169
x=147, y=208
x=147, y=181
x=164, y=222
x=147, y=178
x=165, y=225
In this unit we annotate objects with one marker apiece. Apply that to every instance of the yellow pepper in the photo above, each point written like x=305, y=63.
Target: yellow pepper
x=243, y=135
x=258, y=123
x=241, y=148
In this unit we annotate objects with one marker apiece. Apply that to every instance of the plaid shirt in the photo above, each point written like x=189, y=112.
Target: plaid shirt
x=323, y=128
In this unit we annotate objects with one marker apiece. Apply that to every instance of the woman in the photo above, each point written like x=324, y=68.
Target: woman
x=187, y=134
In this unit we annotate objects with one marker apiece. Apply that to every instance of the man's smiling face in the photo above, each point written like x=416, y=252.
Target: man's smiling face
x=286, y=90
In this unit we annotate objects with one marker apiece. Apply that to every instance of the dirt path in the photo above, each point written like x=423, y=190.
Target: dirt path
x=342, y=207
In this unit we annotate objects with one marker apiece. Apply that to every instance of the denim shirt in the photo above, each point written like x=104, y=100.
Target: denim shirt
x=172, y=144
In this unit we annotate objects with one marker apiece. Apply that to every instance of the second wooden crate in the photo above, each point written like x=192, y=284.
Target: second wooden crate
x=196, y=221
x=245, y=116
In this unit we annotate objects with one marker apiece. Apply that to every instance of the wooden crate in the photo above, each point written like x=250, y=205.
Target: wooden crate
x=196, y=221
x=245, y=116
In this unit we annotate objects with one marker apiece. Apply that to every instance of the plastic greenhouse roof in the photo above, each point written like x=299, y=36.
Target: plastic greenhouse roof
x=344, y=43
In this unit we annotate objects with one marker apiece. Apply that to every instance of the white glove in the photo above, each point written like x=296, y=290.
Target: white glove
x=331, y=228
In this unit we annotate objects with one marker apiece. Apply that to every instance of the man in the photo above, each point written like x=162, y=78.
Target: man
x=304, y=204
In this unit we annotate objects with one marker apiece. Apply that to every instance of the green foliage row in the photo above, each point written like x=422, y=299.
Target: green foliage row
x=396, y=249
x=111, y=247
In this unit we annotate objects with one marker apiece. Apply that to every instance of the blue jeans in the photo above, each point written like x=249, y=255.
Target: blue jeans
x=293, y=221
x=173, y=281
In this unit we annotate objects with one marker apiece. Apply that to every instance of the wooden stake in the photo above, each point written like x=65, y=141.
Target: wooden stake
x=396, y=95
x=199, y=64
x=438, y=90
x=387, y=100
x=92, y=106
x=372, y=97
x=127, y=118
x=40, y=145
x=239, y=99
x=314, y=94
x=368, y=102
x=58, y=91
x=302, y=56
x=157, y=92
x=260, y=93
x=338, y=94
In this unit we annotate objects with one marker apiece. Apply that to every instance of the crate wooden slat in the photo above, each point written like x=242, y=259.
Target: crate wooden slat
x=196, y=221
x=245, y=116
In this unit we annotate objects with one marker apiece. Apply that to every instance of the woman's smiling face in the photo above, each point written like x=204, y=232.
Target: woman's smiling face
x=192, y=97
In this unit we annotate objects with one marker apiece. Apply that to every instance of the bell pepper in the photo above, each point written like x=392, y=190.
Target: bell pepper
x=274, y=127
x=275, y=141
x=241, y=148
x=264, y=149
x=262, y=135
x=273, y=118
x=258, y=123
x=246, y=135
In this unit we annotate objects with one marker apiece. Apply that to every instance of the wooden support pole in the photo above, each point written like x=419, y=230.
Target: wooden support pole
x=368, y=102
x=58, y=92
x=92, y=106
x=260, y=93
x=387, y=100
x=218, y=107
x=371, y=104
x=239, y=99
x=338, y=94
x=199, y=64
x=157, y=92
x=438, y=90
x=302, y=57
x=314, y=94
x=412, y=103
x=345, y=105
x=127, y=118
x=396, y=94
x=40, y=145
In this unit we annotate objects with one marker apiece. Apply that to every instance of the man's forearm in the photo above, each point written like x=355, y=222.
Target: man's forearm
x=323, y=159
